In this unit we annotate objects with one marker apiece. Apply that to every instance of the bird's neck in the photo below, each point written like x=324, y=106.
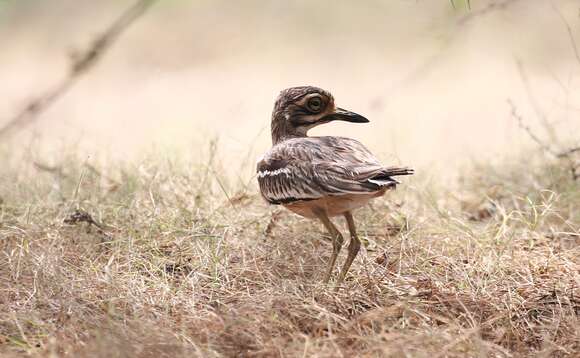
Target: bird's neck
x=282, y=130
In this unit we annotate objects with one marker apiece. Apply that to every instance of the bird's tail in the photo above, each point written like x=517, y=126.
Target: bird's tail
x=396, y=171
x=385, y=176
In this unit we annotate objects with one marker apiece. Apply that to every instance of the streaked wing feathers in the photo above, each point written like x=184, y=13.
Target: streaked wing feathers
x=315, y=167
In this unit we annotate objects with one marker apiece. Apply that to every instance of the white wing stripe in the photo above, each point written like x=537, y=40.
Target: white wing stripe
x=265, y=173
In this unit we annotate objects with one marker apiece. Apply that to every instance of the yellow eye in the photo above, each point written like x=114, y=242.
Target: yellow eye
x=315, y=104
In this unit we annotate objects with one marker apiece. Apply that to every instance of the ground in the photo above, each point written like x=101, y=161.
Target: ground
x=164, y=258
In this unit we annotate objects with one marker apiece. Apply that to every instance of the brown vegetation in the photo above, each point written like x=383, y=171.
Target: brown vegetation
x=154, y=260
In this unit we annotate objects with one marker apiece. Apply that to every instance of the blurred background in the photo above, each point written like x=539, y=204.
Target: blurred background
x=434, y=79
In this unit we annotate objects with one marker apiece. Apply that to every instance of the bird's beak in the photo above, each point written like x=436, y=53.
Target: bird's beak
x=340, y=114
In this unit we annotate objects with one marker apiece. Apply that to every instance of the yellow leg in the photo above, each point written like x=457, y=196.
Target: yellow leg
x=353, y=248
x=337, y=241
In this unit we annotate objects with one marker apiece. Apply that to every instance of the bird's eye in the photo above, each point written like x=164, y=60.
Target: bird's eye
x=315, y=104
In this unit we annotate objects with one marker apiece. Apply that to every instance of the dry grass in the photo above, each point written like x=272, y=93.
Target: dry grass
x=170, y=268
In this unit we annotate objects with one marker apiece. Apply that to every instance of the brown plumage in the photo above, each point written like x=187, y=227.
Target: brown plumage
x=320, y=177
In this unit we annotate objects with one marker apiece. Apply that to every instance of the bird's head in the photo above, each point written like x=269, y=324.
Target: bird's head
x=298, y=109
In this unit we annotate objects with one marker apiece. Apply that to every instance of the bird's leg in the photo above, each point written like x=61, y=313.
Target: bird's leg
x=337, y=241
x=353, y=248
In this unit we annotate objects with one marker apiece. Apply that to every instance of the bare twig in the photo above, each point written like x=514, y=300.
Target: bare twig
x=532, y=98
x=569, y=30
x=566, y=154
x=545, y=147
x=426, y=66
x=493, y=6
x=81, y=63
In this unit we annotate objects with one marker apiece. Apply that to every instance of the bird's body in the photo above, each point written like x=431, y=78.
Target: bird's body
x=334, y=205
x=336, y=173
x=320, y=177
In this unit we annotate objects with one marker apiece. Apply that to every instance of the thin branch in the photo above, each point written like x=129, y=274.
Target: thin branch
x=426, y=66
x=565, y=155
x=568, y=152
x=81, y=63
x=528, y=130
x=493, y=6
x=569, y=30
x=535, y=105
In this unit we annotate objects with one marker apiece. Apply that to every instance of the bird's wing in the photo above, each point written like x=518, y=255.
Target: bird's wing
x=284, y=181
x=313, y=168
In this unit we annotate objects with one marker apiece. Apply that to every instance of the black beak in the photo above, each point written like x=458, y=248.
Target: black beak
x=343, y=115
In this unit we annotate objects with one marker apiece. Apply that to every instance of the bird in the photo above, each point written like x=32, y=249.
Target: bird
x=324, y=176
